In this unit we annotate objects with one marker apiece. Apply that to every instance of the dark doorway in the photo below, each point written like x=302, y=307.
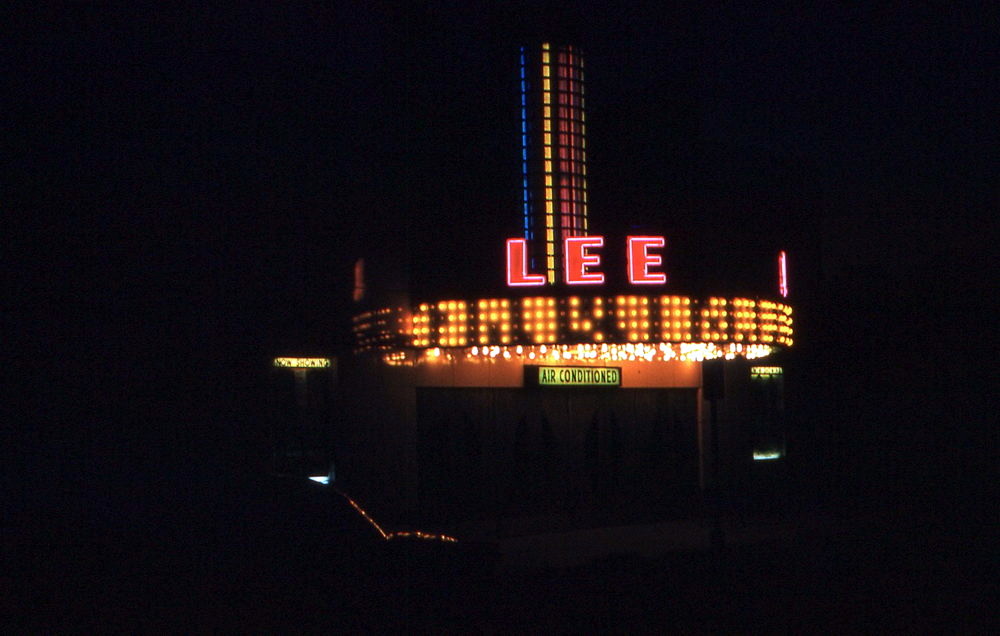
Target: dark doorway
x=601, y=454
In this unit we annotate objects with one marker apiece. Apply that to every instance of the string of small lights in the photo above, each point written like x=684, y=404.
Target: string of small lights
x=554, y=354
x=388, y=536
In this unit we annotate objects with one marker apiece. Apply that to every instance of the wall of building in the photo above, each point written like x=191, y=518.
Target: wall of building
x=446, y=442
x=582, y=456
x=510, y=373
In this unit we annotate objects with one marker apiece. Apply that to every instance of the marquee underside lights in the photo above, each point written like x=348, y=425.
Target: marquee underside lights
x=645, y=327
x=302, y=363
x=583, y=353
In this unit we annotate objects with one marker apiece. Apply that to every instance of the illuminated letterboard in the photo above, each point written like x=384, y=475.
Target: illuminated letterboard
x=499, y=323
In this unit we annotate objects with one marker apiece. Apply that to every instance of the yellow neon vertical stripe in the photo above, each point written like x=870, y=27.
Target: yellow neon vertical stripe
x=550, y=246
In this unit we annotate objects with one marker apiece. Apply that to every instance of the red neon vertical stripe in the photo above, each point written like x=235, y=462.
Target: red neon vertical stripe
x=783, y=274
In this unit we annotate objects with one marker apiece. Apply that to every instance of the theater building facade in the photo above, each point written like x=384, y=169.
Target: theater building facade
x=587, y=389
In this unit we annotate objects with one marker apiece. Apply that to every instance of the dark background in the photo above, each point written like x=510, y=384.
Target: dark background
x=185, y=190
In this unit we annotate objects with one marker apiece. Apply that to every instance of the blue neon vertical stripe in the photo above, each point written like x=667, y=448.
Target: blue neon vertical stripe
x=524, y=146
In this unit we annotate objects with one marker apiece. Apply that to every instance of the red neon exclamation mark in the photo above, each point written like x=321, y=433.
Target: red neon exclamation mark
x=783, y=274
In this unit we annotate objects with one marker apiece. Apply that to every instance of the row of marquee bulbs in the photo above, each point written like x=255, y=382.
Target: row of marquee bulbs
x=632, y=317
x=632, y=351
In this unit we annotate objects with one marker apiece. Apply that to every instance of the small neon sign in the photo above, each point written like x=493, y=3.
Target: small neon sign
x=765, y=372
x=302, y=363
x=572, y=376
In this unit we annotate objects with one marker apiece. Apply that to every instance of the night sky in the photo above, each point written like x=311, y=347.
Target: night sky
x=186, y=189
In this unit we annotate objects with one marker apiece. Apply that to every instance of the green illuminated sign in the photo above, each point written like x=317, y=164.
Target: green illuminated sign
x=302, y=363
x=757, y=373
x=572, y=376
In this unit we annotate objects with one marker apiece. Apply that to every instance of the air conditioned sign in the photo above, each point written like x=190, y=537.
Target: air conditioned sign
x=544, y=376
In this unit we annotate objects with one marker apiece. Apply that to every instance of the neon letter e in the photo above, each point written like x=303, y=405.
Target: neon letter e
x=578, y=260
x=639, y=260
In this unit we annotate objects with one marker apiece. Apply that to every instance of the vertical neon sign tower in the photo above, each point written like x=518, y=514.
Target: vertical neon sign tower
x=553, y=153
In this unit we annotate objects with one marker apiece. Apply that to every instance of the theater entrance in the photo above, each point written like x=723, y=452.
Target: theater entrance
x=596, y=455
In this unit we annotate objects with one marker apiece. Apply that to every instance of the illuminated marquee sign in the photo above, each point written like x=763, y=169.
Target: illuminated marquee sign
x=580, y=262
x=586, y=319
x=765, y=372
x=562, y=376
x=585, y=328
x=559, y=327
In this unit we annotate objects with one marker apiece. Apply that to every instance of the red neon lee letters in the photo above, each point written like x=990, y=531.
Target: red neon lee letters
x=580, y=262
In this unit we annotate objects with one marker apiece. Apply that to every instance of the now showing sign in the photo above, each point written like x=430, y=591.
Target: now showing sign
x=572, y=376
